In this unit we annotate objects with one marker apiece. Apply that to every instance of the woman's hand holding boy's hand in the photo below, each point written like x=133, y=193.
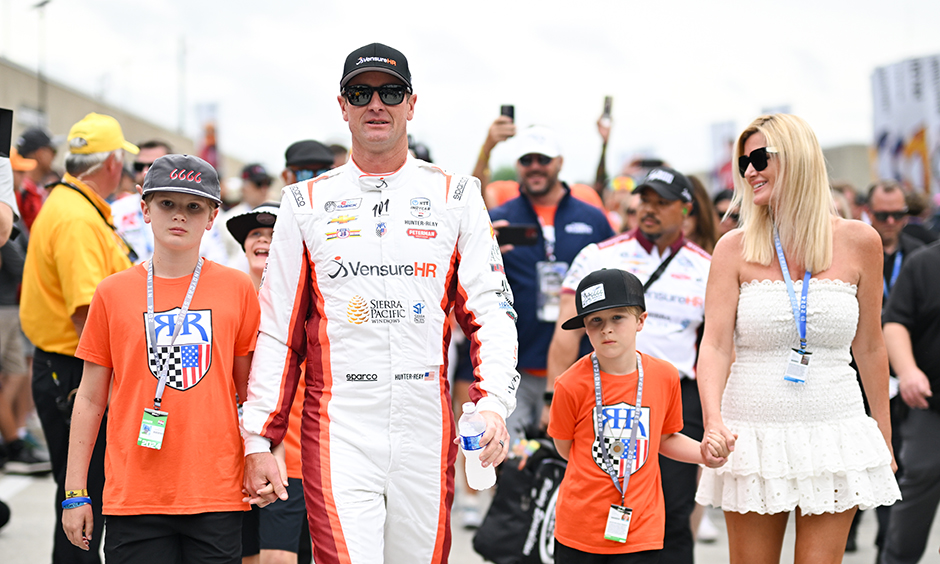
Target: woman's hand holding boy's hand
x=715, y=449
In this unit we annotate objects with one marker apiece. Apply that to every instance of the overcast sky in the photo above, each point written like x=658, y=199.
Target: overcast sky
x=673, y=68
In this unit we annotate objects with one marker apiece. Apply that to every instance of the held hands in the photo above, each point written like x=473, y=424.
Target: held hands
x=496, y=439
x=717, y=446
x=265, y=479
x=78, y=524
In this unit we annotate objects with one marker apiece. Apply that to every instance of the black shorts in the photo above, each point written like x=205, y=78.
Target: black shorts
x=174, y=539
x=567, y=555
x=282, y=523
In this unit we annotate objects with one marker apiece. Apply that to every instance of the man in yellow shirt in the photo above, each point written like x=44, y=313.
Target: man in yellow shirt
x=72, y=247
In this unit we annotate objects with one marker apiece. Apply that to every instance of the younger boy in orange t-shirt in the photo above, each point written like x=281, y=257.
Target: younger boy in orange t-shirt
x=594, y=522
x=181, y=329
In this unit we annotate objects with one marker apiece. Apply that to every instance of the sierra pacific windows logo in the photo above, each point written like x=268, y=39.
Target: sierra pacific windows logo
x=357, y=311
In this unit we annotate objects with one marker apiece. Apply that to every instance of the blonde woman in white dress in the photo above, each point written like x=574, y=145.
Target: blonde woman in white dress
x=780, y=390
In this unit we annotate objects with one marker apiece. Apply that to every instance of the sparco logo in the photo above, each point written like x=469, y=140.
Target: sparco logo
x=362, y=377
x=458, y=191
x=417, y=269
x=298, y=196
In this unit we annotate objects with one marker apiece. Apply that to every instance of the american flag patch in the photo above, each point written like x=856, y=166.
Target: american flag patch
x=617, y=420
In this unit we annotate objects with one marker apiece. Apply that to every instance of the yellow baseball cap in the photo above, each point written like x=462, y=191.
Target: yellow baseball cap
x=97, y=133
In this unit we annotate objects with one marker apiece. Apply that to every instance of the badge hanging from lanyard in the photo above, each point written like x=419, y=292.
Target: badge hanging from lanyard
x=798, y=365
x=551, y=273
x=619, y=516
x=153, y=425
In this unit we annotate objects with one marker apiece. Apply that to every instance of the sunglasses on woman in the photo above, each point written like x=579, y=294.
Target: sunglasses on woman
x=390, y=94
x=758, y=158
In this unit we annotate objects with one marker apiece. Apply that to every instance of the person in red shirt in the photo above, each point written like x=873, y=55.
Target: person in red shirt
x=594, y=521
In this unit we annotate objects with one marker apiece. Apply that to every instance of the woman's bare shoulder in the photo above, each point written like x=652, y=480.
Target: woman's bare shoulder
x=852, y=234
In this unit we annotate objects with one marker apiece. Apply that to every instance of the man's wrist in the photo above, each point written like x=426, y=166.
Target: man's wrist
x=256, y=443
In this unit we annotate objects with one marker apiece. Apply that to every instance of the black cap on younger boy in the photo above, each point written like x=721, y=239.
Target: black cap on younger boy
x=605, y=289
x=183, y=173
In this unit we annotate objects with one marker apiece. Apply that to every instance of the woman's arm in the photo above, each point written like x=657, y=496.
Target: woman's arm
x=717, y=349
x=868, y=348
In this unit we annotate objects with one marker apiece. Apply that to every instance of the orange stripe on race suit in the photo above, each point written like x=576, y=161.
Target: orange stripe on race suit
x=275, y=426
x=325, y=528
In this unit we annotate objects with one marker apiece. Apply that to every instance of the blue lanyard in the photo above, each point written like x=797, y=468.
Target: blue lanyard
x=894, y=273
x=799, y=309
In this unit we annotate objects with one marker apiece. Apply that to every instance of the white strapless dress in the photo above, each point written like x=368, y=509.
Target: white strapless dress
x=799, y=445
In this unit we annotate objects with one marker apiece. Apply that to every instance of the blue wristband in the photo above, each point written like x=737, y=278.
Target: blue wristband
x=73, y=502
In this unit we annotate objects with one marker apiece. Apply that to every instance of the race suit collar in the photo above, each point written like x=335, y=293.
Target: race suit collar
x=648, y=245
x=382, y=181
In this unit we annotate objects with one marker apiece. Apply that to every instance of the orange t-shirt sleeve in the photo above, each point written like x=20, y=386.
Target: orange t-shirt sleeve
x=95, y=343
x=248, y=332
x=564, y=411
x=673, y=422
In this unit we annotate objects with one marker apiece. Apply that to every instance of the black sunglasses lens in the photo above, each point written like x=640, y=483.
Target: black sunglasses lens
x=526, y=160
x=359, y=95
x=883, y=216
x=139, y=167
x=758, y=158
x=391, y=95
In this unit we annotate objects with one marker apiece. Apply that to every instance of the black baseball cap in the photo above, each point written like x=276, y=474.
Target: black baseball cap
x=242, y=224
x=183, y=173
x=376, y=57
x=256, y=173
x=668, y=183
x=32, y=139
x=605, y=289
x=308, y=153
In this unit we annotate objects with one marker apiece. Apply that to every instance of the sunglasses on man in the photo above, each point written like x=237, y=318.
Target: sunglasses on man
x=140, y=167
x=883, y=216
x=526, y=160
x=390, y=94
x=758, y=158
x=307, y=174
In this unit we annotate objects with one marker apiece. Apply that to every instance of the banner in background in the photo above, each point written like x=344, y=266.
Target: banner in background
x=906, y=112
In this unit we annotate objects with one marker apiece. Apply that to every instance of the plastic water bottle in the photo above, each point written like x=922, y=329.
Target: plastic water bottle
x=471, y=426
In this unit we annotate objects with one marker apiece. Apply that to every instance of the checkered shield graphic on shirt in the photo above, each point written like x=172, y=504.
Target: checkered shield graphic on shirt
x=189, y=358
x=617, y=420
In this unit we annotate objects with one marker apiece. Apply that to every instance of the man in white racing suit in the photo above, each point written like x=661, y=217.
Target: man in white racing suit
x=367, y=262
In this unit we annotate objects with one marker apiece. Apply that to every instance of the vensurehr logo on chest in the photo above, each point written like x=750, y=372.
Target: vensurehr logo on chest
x=190, y=356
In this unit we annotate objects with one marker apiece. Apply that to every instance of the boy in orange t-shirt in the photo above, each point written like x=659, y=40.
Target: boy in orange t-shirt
x=595, y=522
x=179, y=329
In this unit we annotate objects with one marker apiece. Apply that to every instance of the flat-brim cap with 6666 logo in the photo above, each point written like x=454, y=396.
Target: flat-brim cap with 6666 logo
x=183, y=173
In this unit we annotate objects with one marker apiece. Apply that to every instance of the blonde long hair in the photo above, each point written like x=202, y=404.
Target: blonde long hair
x=801, y=206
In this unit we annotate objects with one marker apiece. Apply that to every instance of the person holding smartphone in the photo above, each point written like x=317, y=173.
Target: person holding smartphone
x=535, y=272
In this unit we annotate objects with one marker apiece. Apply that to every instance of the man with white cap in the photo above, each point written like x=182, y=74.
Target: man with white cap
x=72, y=247
x=535, y=272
